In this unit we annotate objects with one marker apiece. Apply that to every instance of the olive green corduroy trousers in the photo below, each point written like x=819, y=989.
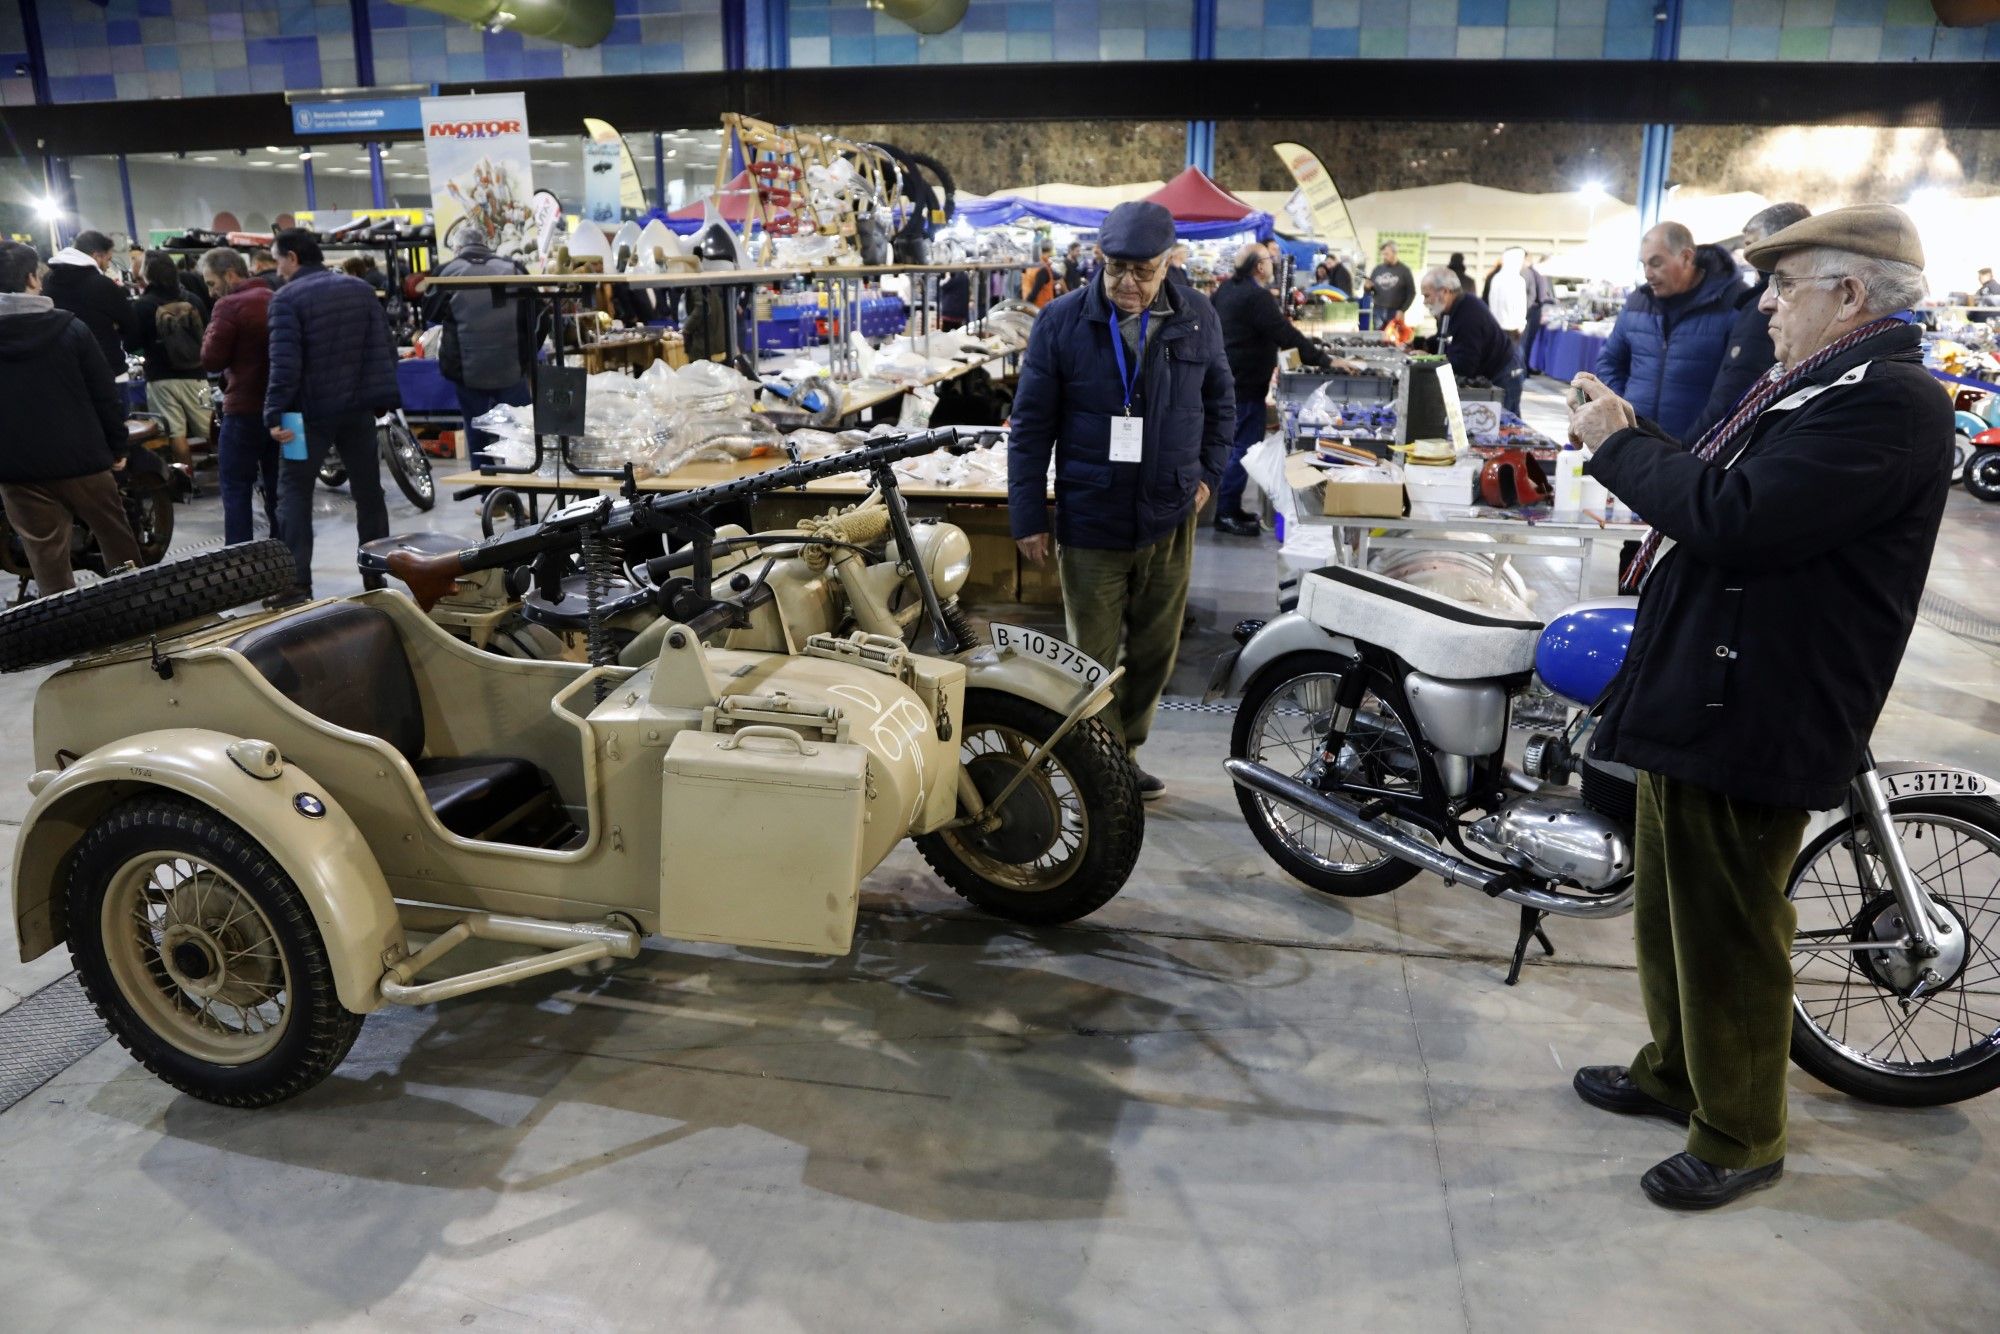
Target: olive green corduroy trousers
x=1714, y=934
x=1138, y=597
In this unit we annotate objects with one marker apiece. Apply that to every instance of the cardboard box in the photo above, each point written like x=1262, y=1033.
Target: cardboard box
x=1347, y=492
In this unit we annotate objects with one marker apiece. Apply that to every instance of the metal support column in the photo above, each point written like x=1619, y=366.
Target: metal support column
x=1656, y=147
x=660, y=170
x=125, y=190
x=312, y=196
x=378, y=185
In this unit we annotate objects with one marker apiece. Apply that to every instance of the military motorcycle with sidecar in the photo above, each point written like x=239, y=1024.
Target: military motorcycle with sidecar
x=252, y=830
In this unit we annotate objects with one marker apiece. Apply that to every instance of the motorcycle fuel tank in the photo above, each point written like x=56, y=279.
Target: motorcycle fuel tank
x=1584, y=646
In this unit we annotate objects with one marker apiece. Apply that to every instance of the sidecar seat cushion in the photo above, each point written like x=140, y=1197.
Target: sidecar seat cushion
x=343, y=663
x=479, y=798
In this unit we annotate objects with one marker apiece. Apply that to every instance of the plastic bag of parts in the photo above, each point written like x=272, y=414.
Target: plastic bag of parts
x=729, y=435
x=984, y=469
x=709, y=387
x=513, y=432
x=917, y=407
x=904, y=367
x=428, y=342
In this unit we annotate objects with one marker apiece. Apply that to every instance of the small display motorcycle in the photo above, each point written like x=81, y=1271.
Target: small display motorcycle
x=1370, y=745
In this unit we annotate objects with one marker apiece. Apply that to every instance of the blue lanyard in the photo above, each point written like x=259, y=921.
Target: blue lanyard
x=1129, y=380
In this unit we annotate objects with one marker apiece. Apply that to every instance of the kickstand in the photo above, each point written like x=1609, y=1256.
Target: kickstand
x=1531, y=929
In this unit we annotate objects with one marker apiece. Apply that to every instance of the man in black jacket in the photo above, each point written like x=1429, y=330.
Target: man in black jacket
x=1392, y=286
x=77, y=282
x=1749, y=354
x=65, y=435
x=1253, y=329
x=1778, y=588
x=1470, y=338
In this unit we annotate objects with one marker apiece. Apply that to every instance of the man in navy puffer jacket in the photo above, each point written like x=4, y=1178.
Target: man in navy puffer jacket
x=332, y=361
x=1126, y=382
x=1668, y=344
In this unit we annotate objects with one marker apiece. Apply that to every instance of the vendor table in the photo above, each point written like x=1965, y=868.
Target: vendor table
x=1314, y=541
x=1561, y=353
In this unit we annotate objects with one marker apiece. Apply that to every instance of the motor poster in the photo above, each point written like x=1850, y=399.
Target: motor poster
x=482, y=178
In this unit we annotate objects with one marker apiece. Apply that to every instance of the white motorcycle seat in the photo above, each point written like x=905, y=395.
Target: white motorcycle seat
x=1436, y=635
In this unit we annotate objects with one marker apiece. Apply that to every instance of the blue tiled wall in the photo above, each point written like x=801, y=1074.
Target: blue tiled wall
x=647, y=37
x=846, y=32
x=137, y=50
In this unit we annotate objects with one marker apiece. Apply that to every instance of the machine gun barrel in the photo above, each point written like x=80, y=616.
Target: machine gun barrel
x=430, y=578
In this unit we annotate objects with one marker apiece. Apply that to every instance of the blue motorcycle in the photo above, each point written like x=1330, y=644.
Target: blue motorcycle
x=1370, y=744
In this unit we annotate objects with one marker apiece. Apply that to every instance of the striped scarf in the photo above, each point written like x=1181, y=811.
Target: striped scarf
x=1735, y=428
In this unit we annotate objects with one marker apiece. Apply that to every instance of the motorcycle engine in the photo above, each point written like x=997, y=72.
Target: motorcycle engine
x=1562, y=837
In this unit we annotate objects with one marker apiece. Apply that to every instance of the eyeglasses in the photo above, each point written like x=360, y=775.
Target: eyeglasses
x=1117, y=270
x=1785, y=284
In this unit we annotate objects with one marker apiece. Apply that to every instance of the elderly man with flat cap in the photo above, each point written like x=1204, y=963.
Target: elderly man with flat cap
x=1125, y=382
x=1777, y=589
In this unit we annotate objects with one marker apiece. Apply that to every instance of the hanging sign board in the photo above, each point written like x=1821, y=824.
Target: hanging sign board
x=360, y=117
x=482, y=176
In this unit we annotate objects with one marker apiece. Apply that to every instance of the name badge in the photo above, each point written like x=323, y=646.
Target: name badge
x=1127, y=439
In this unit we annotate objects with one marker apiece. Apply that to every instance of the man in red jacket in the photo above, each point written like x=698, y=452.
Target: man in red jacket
x=237, y=343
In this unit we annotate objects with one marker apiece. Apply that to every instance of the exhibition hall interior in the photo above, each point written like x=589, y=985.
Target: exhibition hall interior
x=998, y=665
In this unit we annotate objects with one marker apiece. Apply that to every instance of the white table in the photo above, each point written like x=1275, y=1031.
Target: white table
x=1313, y=541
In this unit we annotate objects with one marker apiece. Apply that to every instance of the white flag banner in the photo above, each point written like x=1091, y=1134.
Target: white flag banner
x=482, y=175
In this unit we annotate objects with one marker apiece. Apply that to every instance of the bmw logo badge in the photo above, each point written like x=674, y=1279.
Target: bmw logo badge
x=308, y=805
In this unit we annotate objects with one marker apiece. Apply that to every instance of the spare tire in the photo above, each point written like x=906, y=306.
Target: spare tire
x=141, y=602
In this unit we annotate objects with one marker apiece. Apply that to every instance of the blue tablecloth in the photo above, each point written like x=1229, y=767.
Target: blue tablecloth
x=425, y=390
x=1561, y=353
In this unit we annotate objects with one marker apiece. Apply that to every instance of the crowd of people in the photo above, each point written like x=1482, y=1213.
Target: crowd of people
x=286, y=334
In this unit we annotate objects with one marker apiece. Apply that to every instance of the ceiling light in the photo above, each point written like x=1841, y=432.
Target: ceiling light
x=48, y=210
x=391, y=159
x=273, y=148
x=207, y=158
x=307, y=157
x=255, y=162
x=673, y=152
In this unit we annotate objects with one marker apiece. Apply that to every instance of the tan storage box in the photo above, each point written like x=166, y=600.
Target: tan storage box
x=760, y=839
x=1343, y=492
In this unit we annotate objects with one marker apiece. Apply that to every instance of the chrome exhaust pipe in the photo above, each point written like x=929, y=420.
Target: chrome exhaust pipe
x=1344, y=816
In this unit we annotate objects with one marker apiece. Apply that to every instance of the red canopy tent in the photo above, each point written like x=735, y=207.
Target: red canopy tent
x=1192, y=197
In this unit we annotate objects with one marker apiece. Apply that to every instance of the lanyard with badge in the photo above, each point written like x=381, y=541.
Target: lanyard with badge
x=1127, y=432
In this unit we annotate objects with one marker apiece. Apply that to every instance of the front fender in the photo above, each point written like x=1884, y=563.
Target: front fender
x=326, y=857
x=1287, y=632
x=1031, y=678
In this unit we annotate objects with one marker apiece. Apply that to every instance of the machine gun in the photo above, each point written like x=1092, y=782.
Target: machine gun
x=592, y=527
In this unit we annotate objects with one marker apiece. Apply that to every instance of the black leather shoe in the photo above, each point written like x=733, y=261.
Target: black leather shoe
x=1611, y=1087
x=1239, y=525
x=1687, y=1182
x=1150, y=788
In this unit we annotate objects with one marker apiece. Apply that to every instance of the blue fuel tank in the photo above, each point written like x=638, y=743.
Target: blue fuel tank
x=1584, y=646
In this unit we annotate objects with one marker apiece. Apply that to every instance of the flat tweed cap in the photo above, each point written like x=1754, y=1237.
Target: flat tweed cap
x=1137, y=230
x=1879, y=231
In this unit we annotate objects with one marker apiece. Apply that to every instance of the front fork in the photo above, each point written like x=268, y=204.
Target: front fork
x=1929, y=927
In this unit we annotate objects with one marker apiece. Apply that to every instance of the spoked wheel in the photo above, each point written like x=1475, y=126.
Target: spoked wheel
x=1280, y=724
x=408, y=463
x=202, y=956
x=1854, y=1025
x=1068, y=834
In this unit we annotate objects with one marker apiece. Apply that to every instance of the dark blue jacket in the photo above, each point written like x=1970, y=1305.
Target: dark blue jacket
x=1749, y=355
x=1473, y=341
x=330, y=348
x=1068, y=390
x=1666, y=369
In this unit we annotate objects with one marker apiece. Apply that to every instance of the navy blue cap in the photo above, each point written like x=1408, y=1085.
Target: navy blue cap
x=1136, y=231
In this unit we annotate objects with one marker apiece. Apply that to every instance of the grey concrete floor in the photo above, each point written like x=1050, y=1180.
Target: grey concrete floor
x=1223, y=1102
